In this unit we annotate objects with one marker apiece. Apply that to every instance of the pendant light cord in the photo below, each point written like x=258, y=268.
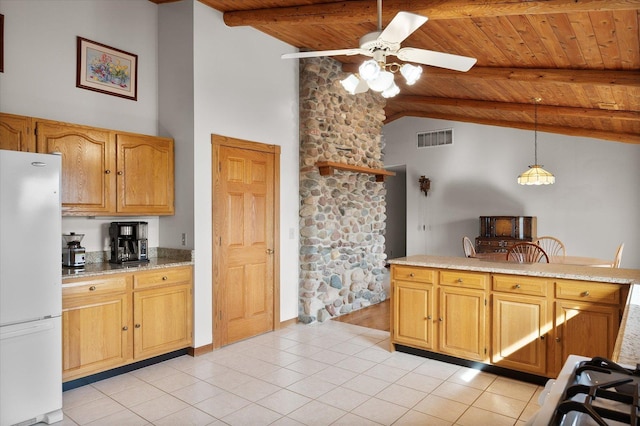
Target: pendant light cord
x=535, y=131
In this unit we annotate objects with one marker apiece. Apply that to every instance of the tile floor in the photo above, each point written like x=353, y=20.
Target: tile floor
x=323, y=374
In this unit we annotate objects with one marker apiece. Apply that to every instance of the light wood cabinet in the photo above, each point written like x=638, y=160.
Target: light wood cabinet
x=17, y=133
x=521, y=323
x=114, y=320
x=96, y=325
x=535, y=322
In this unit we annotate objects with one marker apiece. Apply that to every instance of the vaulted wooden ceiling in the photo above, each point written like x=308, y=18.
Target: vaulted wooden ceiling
x=581, y=57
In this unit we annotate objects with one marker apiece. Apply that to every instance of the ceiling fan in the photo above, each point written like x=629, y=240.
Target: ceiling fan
x=382, y=43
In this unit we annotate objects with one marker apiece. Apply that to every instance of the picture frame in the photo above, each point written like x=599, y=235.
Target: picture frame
x=105, y=69
x=1, y=43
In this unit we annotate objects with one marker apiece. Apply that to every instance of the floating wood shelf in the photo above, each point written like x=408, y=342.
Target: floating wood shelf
x=327, y=167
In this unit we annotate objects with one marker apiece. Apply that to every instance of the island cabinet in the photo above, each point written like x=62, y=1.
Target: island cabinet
x=117, y=319
x=17, y=133
x=524, y=323
x=440, y=311
x=521, y=322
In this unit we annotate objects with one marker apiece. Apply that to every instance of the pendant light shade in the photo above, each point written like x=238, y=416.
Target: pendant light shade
x=536, y=175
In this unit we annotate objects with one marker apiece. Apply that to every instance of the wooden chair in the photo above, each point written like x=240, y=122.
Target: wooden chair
x=469, y=249
x=551, y=245
x=527, y=253
x=618, y=258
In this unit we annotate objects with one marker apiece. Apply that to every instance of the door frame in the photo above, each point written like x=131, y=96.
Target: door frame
x=218, y=141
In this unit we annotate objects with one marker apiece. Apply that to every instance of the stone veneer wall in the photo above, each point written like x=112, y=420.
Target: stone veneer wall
x=342, y=217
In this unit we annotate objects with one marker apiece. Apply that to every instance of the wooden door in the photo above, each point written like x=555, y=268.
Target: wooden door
x=413, y=314
x=245, y=297
x=587, y=329
x=462, y=321
x=519, y=324
x=145, y=176
x=16, y=133
x=88, y=166
x=162, y=320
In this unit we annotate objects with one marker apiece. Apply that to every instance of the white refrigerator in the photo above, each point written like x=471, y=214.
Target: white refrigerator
x=30, y=288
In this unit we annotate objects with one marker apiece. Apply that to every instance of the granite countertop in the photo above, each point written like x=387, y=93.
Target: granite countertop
x=627, y=347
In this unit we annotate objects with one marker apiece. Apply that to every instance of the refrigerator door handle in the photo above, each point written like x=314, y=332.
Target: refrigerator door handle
x=37, y=327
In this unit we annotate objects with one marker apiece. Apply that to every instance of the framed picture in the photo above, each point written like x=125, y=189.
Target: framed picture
x=1, y=43
x=108, y=70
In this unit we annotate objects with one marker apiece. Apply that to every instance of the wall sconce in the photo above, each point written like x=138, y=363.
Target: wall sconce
x=425, y=185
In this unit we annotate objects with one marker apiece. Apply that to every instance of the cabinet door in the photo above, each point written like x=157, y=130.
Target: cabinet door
x=16, y=133
x=145, y=174
x=88, y=166
x=586, y=329
x=413, y=314
x=96, y=334
x=162, y=320
x=462, y=321
x=520, y=324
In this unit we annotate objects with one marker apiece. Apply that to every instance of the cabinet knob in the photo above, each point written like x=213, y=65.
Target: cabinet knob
x=125, y=328
x=412, y=274
x=584, y=294
x=557, y=339
x=92, y=288
x=107, y=172
x=428, y=317
x=269, y=251
x=164, y=278
x=120, y=173
x=516, y=286
x=459, y=280
x=137, y=325
x=440, y=319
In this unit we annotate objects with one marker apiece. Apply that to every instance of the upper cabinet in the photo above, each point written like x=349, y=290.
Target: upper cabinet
x=104, y=172
x=16, y=133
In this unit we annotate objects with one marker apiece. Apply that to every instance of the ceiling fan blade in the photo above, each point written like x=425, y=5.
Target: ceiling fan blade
x=436, y=59
x=317, y=53
x=401, y=27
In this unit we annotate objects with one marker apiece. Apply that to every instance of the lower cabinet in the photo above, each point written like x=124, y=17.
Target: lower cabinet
x=114, y=320
x=535, y=323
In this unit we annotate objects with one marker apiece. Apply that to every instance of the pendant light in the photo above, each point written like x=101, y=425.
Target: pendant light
x=536, y=175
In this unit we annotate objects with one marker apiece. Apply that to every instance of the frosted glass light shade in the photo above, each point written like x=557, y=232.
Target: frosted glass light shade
x=536, y=175
x=369, y=70
x=354, y=85
x=382, y=82
x=411, y=73
x=391, y=91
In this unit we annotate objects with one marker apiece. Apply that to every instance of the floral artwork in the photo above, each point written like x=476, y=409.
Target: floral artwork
x=105, y=69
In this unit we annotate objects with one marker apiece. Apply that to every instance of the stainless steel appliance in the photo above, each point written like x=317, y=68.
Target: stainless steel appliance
x=30, y=295
x=129, y=242
x=72, y=253
x=591, y=391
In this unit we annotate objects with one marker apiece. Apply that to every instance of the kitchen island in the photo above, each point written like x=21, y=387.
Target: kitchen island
x=523, y=317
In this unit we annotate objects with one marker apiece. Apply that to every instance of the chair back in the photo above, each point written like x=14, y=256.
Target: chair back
x=618, y=258
x=469, y=249
x=551, y=245
x=527, y=253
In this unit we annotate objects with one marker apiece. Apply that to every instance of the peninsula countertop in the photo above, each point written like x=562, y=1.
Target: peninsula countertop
x=627, y=347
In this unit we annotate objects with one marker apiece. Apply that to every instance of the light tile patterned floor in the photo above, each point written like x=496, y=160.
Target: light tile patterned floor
x=322, y=374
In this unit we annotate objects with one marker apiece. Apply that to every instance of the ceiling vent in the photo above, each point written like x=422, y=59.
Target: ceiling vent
x=435, y=138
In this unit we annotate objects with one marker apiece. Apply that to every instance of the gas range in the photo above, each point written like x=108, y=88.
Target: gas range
x=591, y=391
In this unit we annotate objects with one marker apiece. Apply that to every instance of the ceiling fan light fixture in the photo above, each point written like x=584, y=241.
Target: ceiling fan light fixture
x=411, y=73
x=382, y=82
x=354, y=85
x=391, y=91
x=369, y=70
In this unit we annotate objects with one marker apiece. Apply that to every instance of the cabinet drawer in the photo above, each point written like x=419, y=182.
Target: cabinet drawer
x=464, y=279
x=520, y=285
x=588, y=291
x=103, y=285
x=161, y=277
x=412, y=273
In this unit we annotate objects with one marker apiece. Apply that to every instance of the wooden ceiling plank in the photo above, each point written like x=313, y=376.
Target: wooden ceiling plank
x=538, y=52
x=506, y=39
x=348, y=12
x=557, y=55
x=566, y=37
x=583, y=29
x=605, y=31
x=627, y=23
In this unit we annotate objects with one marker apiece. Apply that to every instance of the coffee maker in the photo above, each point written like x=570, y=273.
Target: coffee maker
x=72, y=253
x=128, y=242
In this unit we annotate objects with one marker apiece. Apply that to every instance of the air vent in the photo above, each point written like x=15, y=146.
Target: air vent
x=435, y=138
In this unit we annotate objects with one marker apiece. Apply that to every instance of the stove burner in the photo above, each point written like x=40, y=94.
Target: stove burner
x=602, y=390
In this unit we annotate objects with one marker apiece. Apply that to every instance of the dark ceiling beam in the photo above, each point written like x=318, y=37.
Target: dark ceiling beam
x=564, y=130
x=349, y=12
x=411, y=102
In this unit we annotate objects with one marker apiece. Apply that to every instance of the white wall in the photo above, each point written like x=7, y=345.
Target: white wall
x=476, y=176
x=39, y=76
